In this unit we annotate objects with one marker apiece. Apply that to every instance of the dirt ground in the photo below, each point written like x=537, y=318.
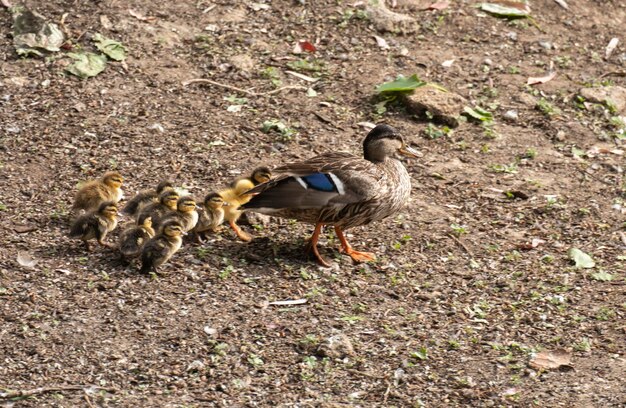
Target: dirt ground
x=473, y=277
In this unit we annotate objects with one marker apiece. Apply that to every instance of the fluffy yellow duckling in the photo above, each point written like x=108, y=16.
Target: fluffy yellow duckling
x=95, y=192
x=235, y=197
x=167, y=203
x=160, y=249
x=146, y=197
x=185, y=213
x=134, y=238
x=96, y=224
x=211, y=216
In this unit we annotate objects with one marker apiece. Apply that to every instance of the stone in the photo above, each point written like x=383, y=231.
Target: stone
x=445, y=107
x=243, y=62
x=337, y=346
x=511, y=115
x=386, y=20
x=606, y=95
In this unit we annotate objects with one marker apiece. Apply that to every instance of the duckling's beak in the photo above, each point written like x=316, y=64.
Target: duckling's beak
x=409, y=152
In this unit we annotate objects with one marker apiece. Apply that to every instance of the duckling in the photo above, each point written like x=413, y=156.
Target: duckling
x=167, y=203
x=211, y=215
x=96, y=224
x=160, y=249
x=341, y=189
x=146, y=197
x=185, y=213
x=95, y=192
x=133, y=239
x=235, y=197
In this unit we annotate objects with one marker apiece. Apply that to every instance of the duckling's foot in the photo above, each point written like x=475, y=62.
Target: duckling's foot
x=243, y=235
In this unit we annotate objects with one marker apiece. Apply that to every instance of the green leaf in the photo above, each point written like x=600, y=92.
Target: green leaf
x=478, y=113
x=87, y=64
x=113, y=49
x=579, y=153
x=506, y=8
x=421, y=354
x=581, y=259
x=602, y=276
x=401, y=84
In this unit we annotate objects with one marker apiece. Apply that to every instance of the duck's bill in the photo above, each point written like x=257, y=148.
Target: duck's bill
x=409, y=152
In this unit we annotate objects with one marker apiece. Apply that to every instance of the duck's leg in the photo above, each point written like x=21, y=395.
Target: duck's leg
x=311, y=246
x=346, y=248
x=243, y=235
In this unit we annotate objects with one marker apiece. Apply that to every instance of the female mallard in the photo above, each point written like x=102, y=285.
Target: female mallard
x=340, y=189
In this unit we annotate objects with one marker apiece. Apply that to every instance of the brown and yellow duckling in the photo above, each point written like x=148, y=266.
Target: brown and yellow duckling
x=167, y=202
x=134, y=238
x=210, y=216
x=96, y=224
x=160, y=249
x=186, y=213
x=95, y=192
x=146, y=197
x=235, y=197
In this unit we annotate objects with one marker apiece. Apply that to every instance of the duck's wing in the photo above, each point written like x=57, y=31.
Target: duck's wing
x=327, y=180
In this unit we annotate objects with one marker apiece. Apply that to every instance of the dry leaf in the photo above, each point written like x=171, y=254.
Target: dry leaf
x=26, y=260
x=541, y=80
x=547, y=360
x=562, y=3
x=447, y=63
x=140, y=16
x=439, y=5
x=611, y=47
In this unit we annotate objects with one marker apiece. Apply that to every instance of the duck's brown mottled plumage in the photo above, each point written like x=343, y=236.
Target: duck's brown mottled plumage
x=340, y=189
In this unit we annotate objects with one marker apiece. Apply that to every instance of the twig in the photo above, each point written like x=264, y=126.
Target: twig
x=458, y=241
x=43, y=390
x=89, y=401
x=615, y=73
x=244, y=91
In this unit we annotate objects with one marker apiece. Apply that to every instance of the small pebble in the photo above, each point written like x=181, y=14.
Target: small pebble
x=511, y=115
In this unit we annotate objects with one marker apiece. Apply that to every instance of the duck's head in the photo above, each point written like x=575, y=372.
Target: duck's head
x=186, y=204
x=169, y=199
x=108, y=209
x=384, y=141
x=261, y=175
x=173, y=229
x=113, y=179
x=213, y=201
x=164, y=185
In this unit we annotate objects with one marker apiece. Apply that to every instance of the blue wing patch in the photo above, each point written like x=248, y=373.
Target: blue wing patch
x=320, y=181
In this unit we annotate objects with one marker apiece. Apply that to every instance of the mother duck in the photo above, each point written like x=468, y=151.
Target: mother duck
x=340, y=189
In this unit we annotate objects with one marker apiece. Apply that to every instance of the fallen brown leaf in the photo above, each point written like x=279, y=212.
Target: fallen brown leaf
x=547, y=360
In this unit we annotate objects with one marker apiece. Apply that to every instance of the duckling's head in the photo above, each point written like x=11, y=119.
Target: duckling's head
x=213, y=201
x=384, y=141
x=108, y=209
x=164, y=185
x=186, y=204
x=169, y=198
x=173, y=229
x=147, y=223
x=113, y=179
x=261, y=175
